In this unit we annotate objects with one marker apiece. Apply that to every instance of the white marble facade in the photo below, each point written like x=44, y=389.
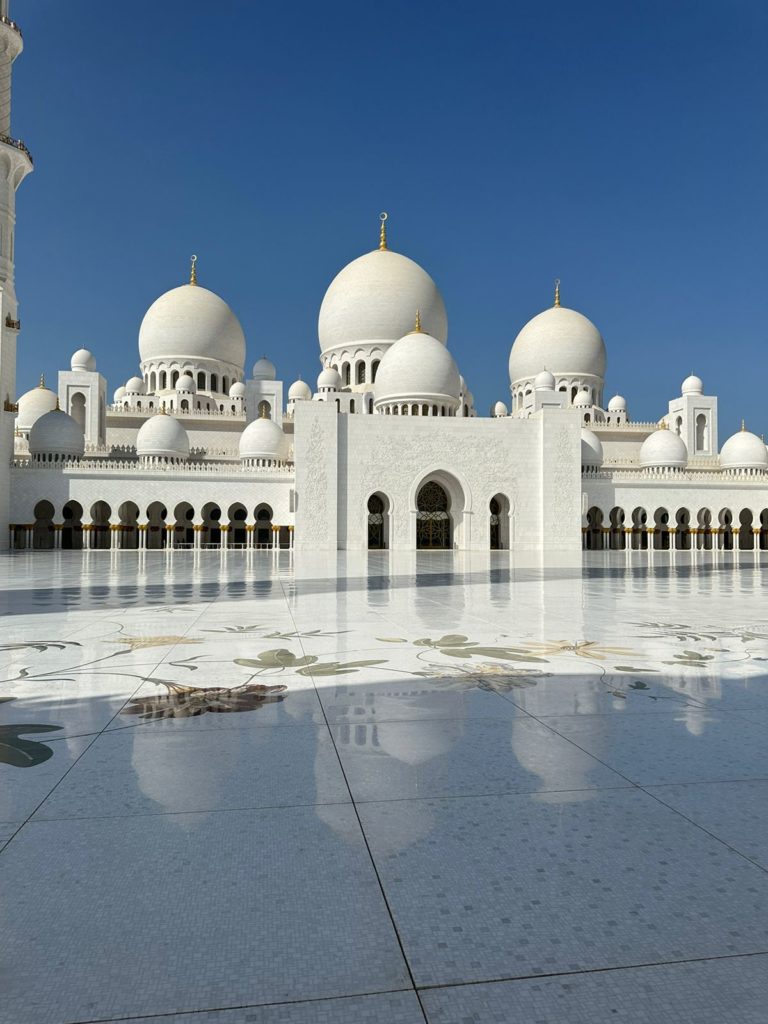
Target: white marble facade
x=388, y=450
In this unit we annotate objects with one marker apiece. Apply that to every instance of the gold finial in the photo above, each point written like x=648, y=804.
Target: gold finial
x=42, y=381
x=663, y=425
x=417, y=326
x=383, y=217
x=193, y=271
x=57, y=403
x=557, y=293
x=742, y=425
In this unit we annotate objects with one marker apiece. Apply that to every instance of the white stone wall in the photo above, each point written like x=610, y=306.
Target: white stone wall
x=342, y=460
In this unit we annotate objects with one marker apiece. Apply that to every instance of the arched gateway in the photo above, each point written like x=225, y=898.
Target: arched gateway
x=433, y=520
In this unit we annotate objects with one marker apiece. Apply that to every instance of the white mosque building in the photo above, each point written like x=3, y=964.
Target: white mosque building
x=387, y=452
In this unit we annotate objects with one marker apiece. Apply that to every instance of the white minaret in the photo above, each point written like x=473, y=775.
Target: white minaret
x=15, y=165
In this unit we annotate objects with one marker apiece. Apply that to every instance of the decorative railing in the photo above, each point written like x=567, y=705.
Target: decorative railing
x=132, y=411
x=17, y=144
x=696, y=474
x=5, y=20
x=121, y=466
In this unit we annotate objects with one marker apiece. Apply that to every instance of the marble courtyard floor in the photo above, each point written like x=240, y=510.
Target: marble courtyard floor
x=383, y=789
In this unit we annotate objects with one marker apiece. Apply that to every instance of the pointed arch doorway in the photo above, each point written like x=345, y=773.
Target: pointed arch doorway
x=433, y=518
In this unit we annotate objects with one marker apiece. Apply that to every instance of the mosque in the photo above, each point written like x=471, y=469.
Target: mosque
x=387, y=452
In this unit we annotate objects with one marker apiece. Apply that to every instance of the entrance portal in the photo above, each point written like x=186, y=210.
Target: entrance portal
x=433, y=522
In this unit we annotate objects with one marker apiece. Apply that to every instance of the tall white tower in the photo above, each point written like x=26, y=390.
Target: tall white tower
x=15, y=165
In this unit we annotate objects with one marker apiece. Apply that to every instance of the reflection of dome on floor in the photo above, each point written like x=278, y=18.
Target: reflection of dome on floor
x=564, y=773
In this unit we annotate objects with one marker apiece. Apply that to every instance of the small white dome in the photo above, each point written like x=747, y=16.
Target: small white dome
x=119, y=394
x=237, y=390
x=562, y=339
x=57, y=433
x=375, y=297
x=162, y=436
x=500, y=410
x=34, y=404
x=191, y=322
x=692, y=385
x=664, y=449
x=264, y=369
x=591, y=448
x=263, y=439
x=299, y=391
x=186, y=383
x=544, y=381
x=744, y=450
x=582, y=400
x=329, y=380
x=83, y=360
x=420, y=368
x=135, y=386
x=617, y=404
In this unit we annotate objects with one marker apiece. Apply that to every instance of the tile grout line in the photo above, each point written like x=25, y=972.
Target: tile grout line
x=362, y=833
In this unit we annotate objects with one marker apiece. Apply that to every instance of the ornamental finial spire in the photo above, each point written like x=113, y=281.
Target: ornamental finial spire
x=383, y=217
x=557, y=293
x=743, y=427
x=193, y=270
x=42, y=381
x=417, y=326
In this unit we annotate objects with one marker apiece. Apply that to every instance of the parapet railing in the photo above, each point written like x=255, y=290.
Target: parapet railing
x=99, y=467
x=698, y=474
x=119, y=410
x=5, y=20
x=17, y=144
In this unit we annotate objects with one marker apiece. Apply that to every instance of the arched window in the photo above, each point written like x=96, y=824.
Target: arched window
x=265, y=410
x=374, y=369
x=345, y=374
x=214, y=382
x=378, y=522
x=184, y=405
x=224, y=387
x=201, y=381
x=174, y=378
x=77, y=409
x=702, y=439
x=352, y=405
x=163, y=380
x=360, y=372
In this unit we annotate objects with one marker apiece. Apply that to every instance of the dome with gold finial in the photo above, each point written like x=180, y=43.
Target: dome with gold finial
x=194, y=325
x=561, y=340
x=744, y=450
x=419, y=369
x=372, y=299
x=33, y=404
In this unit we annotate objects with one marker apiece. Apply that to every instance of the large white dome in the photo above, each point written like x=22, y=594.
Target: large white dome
x=57, y=433
x=191, y=322
x=34, y=404
x=83, y=360
x=263, y=439
x=559, y=340
x=375, y=298
x=744, y=450
x=663, y=449
x=419, y=368
x=162, y=436
x=299, y=391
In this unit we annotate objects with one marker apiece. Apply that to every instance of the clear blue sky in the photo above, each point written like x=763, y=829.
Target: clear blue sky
x=619, y=146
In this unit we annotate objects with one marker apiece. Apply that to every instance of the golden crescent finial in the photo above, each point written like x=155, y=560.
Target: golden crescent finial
x=417, y=326
x=557, y=292
x=193, y=270
x=383, y=217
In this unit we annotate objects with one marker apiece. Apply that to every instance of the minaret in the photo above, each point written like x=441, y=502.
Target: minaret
x=15, y=165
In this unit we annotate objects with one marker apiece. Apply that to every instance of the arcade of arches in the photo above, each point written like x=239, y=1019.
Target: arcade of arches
x=128, y=527
x=661, y=529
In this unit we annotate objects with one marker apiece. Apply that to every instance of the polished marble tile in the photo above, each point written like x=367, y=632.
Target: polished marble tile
x=734, y=812
x=502, y=887
x=169, y=913
x=692, y=746
x=31, y=765
x=7, y=830
x=138, y=770
x=434, y=757
x=732, y=991
x=384, y=1008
